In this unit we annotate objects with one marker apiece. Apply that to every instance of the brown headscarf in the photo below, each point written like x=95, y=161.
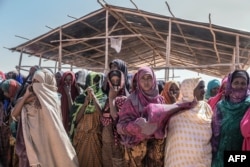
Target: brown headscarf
x=165, y=91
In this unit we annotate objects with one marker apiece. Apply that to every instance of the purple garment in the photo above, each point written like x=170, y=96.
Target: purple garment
x=134, y=108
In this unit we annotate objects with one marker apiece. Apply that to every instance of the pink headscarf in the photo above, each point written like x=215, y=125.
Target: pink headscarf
x=214, y=100
x=134, y=107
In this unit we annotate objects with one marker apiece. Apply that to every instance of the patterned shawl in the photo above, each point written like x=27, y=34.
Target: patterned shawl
x=133, y=108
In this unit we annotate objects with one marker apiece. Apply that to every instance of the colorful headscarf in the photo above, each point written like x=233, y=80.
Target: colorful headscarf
x=165, y=91
x=92, y=81
x=211, y=85
x=10, y=86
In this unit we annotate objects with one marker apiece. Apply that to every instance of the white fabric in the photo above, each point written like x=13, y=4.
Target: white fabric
x=116, y=43
x=46, y=140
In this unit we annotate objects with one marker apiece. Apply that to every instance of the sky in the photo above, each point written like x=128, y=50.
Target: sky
x=29, y=18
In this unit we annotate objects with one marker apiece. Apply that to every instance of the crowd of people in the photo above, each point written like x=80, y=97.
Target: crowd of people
x=90, y=119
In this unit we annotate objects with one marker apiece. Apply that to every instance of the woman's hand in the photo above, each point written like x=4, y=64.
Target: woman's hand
x=112, y=93
x=67, y=89
x=188, y=105
x=29, y=94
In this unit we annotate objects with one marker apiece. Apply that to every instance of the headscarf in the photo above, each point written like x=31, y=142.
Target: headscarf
x=122, y=67
x=211, y=85
x=214, y=100
x=227, y=119
x=10, y=86
x=134, y=107
x=46, y=126
x=81, y=77
x=230, y=92
x=202, y=109
x=187, y=88
x=92, y=81
x=165, y=91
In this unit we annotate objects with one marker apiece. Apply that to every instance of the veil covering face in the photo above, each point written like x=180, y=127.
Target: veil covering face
x=42, y=125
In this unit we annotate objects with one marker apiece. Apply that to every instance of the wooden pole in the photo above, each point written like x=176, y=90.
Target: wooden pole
x=40, y=60
x=20, y=61
x=106, y=44
x=237, y=61
x=60, y=51
x=168, y=47
x=98, y=37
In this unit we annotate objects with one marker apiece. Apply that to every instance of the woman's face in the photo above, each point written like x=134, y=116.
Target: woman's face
x=214, y=91
x=115, y=80
x=174, y=90
x=239, y=83
x=146, y=82
x=68, y=80
x=199, y=91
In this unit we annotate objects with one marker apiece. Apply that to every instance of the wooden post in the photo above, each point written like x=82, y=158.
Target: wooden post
x=237, y=59
x=20, y=61
x=60, y=51
x=168, y=48
x=233, y=61
x=106, y=43
x=40, y=60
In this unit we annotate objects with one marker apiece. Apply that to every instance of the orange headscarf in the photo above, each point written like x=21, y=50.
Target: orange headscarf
x=165, y=91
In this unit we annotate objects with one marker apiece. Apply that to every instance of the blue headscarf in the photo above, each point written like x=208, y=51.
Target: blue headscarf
x=211, y=84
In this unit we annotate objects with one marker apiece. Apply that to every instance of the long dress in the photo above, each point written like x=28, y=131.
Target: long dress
x=87, y=140
x=188, y=138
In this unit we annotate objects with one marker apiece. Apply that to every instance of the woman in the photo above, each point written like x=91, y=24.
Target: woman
x=87, y=136
x=117, y=64
x=171, y=92
x=43, y=139
x=219, y=96
x=228, y=115
x=212, y=88
x=112, y=150
x=142, y=119
x=68, y=92
x=189, y=132
x=11, y=89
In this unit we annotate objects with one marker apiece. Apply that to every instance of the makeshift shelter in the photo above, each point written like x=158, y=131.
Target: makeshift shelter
x=140, y=39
